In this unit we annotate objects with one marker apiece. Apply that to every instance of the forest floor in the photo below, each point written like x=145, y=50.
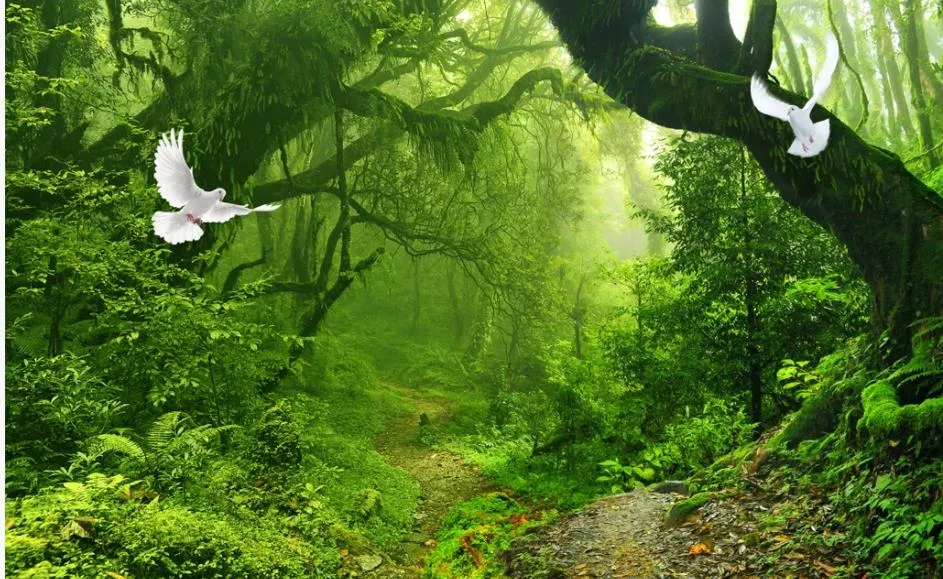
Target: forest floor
x=734, y=533
x=626, y=535
x=444, y=479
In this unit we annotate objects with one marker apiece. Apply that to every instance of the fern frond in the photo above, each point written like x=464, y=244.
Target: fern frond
x=164, y=430
x=926, y=364
x=116, y=443
x=197, y=439
x=928, y=327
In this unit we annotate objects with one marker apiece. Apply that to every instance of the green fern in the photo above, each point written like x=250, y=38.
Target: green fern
x=164, y=430
x=104, y=443
x=927, y=328
x=920, y=369
x=196, y=439
x=926, y=365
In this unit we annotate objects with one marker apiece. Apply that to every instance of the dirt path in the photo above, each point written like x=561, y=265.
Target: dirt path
x=444, y=480
x=733, y=534
x=626, y=536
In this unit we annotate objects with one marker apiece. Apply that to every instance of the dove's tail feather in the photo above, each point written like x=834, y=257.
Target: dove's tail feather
x=815, y=145
x=267, y=207
x=174, y=227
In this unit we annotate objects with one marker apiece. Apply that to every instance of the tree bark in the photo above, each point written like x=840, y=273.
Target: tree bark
x=890, y=222
x=751, y=299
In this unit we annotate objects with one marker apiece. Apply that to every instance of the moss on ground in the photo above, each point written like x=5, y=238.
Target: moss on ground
x=682, y=509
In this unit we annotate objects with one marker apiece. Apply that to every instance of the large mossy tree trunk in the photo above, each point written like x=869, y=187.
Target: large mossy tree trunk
x=697, y=78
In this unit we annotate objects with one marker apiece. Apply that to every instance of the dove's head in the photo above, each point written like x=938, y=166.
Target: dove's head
x=219, y=192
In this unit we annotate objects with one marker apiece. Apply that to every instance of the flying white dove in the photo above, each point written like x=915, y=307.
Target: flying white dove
x=176, y=184
x=811, y=138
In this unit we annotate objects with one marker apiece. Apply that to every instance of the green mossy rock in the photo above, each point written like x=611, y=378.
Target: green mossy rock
x=682, y=509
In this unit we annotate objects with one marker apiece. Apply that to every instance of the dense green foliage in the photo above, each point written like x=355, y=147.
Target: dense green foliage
x=467, y=219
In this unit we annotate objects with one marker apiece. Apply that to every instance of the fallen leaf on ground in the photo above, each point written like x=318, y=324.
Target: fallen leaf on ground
x=824, y=567
x=699, y=549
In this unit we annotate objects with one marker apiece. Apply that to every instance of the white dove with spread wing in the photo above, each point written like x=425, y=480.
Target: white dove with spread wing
x=811, y=138
x=176, y=184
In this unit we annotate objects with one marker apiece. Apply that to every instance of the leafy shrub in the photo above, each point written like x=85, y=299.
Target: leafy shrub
x=276, y=440
x=177, y=542
x=694, y=443
x=62, y=532
x=174, y=451
x=624, y=477
x=91, y=528
x=53, y=403
x=897, y=527
x=687, y=445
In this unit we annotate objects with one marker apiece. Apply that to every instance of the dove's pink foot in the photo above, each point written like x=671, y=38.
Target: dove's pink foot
x=194, y=219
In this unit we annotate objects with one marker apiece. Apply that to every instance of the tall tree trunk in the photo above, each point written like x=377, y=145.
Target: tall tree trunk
x=417, y=297
x=321, y=293
x=851, y=70
x=795, y=71
x=751, y=297
x=577, y=315
x=809, y=75
x=911, y=47
x=923, y=56
x=890, y=70
x=890, y=222
x=892, y=126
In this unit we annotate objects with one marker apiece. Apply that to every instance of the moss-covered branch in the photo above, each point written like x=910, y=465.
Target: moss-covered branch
x=890, y=221
x=455, y=129
x=885, y=419
x=462, y=34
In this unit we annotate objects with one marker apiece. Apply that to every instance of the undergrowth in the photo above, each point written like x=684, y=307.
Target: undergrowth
x=873, y=503
x=475, y=532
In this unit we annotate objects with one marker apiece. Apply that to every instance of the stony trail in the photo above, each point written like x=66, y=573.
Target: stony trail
x=626, y=535
x=620, y=536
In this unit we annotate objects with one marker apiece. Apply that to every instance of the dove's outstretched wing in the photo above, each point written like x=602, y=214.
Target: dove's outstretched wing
x=174, y=227
x=225, y=211
x=767, y=103
x=825, y=75
x=174, y=178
